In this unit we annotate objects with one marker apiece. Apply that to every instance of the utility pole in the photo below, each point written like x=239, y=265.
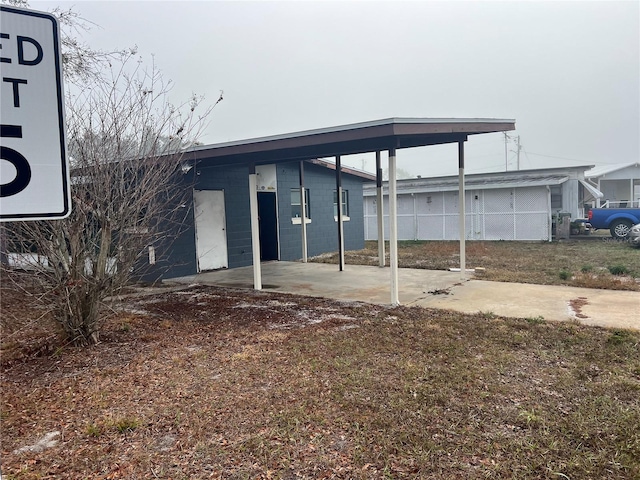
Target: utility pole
x=506, y=165
x=506, y=152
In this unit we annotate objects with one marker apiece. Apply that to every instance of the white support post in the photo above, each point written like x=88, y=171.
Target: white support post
x=461, y=210
x=339, y=212
x=393, y=229
x=255, y=230
x=303, y=206
x=303, y=214
x=341, y=228
x=549, y=215
x=380, y=212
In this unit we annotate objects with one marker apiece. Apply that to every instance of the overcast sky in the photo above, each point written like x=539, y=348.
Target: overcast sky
x=567, y=72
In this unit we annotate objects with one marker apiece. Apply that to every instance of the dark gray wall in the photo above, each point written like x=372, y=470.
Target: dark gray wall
x=322, y=232
x=175, y=253
x=235, y=183
x=179, y=258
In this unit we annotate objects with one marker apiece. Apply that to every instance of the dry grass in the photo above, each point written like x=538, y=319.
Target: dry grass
x=582, y=263
x=213, y=383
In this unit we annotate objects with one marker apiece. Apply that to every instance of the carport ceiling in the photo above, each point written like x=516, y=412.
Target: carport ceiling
x=392, y=133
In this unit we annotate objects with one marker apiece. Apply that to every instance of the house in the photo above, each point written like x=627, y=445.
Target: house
x=218, y=233
x=619, y=184
x=230, y=223
x=514, y=205
x=271, y=198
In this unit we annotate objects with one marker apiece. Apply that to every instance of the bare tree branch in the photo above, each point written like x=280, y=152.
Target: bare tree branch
x=81, y=63
x=128, y=190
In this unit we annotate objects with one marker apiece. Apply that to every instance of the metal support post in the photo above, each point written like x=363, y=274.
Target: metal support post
x=255, y=228
x=339, y=211
x=461, y=210
x=393, y=229
x=380, y=212
x=303, y=206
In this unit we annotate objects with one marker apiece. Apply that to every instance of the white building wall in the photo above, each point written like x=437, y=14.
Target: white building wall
x=618, y=185
x=570, y=198
x=616, y=190
x=494, y=214
x=266, y=178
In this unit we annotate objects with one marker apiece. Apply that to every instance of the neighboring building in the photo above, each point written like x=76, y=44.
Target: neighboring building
x=219, y=228
x=620, y=184
x=515, y=205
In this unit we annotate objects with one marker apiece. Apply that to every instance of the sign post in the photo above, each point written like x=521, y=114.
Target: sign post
x=34, y=174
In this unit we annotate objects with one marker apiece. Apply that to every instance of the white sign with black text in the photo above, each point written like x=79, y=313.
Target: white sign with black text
x=34, y=174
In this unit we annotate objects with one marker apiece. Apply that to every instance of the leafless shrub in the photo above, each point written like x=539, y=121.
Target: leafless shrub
x=129, y=193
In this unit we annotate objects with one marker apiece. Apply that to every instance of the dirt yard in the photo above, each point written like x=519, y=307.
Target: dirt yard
x=214, y=383
x=590, y=262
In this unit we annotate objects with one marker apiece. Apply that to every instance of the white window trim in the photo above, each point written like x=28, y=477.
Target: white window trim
x=298, y=221
x=345, y=218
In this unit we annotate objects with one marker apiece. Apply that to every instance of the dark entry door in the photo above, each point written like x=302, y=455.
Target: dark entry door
x=268, y=226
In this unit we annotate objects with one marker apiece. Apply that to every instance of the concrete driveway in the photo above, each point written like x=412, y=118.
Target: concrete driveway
x=437, y=289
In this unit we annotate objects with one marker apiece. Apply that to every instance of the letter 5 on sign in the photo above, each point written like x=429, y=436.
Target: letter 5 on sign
x=34, y=175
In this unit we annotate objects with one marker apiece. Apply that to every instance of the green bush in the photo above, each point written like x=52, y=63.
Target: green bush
x=618, y=270
x=564, y=275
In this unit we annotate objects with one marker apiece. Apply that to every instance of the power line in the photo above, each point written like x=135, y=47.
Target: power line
x=559, y=158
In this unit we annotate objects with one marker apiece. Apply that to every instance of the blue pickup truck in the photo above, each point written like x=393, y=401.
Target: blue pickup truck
x=618, y=220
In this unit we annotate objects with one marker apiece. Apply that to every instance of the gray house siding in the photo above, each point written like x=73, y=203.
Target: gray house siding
x=175, y=255
x=179, y=258
x=235, y=184
x=322, y=232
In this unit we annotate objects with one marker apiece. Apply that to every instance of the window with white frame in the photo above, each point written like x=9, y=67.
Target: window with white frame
x=345, y=205
x=296, y=207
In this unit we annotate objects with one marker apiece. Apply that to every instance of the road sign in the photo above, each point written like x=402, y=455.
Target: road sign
x=34, y=176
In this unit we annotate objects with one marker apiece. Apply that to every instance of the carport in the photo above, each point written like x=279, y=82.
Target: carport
x=388, y=135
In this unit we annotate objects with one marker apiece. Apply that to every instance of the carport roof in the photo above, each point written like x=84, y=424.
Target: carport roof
x=377, y=135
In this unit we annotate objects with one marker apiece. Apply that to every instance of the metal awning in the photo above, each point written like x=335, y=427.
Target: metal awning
x=390, y=134
x=591, y=189
x=374, y=136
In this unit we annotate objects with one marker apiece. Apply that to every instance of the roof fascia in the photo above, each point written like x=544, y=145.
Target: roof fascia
x=349, y=139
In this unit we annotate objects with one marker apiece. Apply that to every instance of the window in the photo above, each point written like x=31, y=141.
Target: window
x=556, y=197
x=345, y=204
x=296, y=209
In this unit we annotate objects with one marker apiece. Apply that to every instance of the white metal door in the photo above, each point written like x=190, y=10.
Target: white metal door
x=211, y=235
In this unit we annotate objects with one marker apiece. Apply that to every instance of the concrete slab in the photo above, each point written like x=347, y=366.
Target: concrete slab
x=605, y=308
x=437, y=289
